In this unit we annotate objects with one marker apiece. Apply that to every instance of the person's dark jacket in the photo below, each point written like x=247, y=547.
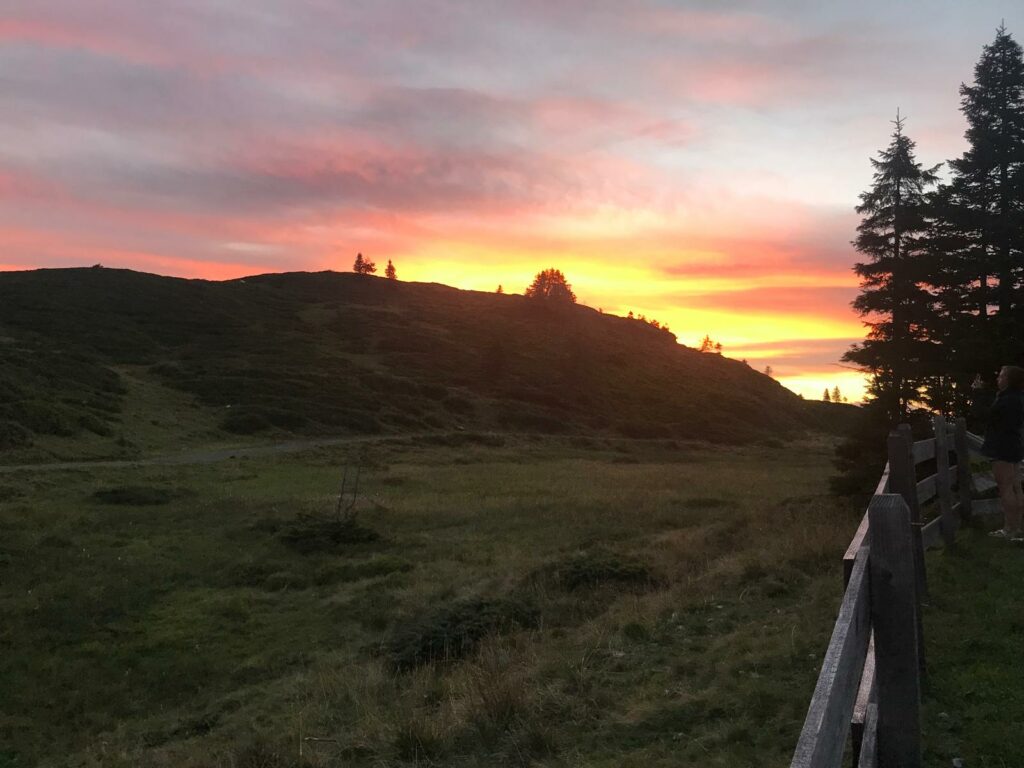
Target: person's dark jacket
x=1003, y=432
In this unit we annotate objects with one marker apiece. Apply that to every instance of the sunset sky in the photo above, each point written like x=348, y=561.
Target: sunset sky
x=697, y=162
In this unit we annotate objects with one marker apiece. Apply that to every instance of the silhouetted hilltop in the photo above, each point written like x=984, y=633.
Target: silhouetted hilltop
x=336, y=353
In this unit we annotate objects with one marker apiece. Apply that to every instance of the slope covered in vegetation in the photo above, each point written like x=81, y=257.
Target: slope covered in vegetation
x=342, y=353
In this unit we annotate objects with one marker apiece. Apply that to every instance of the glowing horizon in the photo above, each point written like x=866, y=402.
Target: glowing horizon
x=692, y=163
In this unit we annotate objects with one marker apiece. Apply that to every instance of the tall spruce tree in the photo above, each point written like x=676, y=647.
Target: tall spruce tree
x=991, y=175
x=994, y=108
x=977, y=234
x=892, y=300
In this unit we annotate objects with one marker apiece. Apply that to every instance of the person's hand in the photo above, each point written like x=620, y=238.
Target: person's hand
x=977, y=383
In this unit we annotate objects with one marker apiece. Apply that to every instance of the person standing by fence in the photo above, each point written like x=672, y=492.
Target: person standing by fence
x=1003, y=445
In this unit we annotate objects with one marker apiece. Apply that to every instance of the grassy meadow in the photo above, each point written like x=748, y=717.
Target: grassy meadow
x=974, y=633
x=502, y=601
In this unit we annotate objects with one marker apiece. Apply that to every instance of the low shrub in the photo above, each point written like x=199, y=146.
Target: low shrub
x=14, y=435
x=43, y=418
x=433, y=391
x=704, y=502
x=593, y=569
x=458, y=404
x=94, y=424
x=245, y=422
x=275, y=582
x=644, y=430
x=453, y=631
x=318, y=534
x=136, y=495
x=366, y=569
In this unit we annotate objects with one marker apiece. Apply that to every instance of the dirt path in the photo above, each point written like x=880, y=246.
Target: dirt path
x=207, y=456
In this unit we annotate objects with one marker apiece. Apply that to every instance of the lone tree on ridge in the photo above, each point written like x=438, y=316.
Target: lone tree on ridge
x=363, y=266
x=550, y=285
x=389, y=271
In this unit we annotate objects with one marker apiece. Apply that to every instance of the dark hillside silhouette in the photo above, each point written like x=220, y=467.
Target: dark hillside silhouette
x=343, y=353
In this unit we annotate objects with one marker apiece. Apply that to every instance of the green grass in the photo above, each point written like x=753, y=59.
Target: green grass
x=677, y=608
x=974, y=636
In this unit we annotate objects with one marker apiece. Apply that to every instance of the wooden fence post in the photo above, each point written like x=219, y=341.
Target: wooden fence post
x=903, y=480
x=894, y=617
x=963, y=468
x=945, y=487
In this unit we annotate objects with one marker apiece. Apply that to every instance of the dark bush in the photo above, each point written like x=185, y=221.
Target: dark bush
x=317, y=534
x=245, y=422
x=458, y=404
x=43, y=418
x=275, y=582
x=433, y=391
x=359, y=421
x=597, y=568
x=536, y=421
x=704, y=502
x=14, y=435
x=136, y=495
x=366, y=569
x=171, y=371
x=282, y=419
x=392, y=385
x=262, y=753
x=94, y=424
x=644, y=430
x=453, y=631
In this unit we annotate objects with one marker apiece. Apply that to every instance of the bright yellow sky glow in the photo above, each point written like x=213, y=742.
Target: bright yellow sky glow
x=756, y=335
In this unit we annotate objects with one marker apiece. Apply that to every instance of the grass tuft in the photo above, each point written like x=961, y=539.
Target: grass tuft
x=453, y=631
x=136, y=495
x=597, y=568
x=312, y=533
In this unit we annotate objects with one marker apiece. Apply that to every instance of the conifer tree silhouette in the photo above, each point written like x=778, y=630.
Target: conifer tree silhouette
x=363, y=266
x=892, y=298
x=550, y=285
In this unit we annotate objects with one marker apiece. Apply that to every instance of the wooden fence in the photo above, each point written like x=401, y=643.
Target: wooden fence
x=868, y=693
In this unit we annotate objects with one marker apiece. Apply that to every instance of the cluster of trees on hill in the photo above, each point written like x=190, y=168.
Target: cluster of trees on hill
x=548, y=286
x=707, y=344
x=834, y=395
x=942, y=284
x=364, y=266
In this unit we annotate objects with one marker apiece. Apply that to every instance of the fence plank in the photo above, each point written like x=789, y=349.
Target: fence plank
x=894, y=617
x=984, y=483
x=926, y=489
x=865, y=695
x=824, y=733
x=862, y=530
x=902, y=481
x=924, y=450
x=855, y=546
x=944, y=481
x=869, y=744
x=883, y=482
x=931, y=534
x=963, y=468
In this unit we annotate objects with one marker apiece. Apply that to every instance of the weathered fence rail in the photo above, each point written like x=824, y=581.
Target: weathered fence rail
x=868, y=693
